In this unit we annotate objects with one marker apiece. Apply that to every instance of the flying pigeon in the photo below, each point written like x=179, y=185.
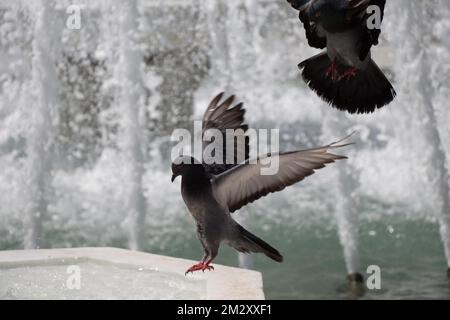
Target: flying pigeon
x=213, y=191
x=344, y=75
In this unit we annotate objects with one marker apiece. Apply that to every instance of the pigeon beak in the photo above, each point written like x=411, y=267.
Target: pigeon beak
x=173, y=177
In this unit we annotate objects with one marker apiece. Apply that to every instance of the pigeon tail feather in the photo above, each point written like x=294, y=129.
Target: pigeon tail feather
x=248, y=242
x=364, y=92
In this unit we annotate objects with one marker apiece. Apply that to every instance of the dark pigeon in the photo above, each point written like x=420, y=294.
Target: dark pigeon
x=213, y=191
x=345, y=74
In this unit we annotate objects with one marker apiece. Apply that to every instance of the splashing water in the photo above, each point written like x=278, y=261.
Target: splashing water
x=379, y=208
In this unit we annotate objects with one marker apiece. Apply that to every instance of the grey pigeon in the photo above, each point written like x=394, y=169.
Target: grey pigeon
x=345, y=74
x=213, y=191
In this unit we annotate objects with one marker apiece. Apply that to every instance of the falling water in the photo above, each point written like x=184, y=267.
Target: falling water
x=336, y=124
x=380, y=207
x=415, y=44
x=40, y=136
x=130, y=101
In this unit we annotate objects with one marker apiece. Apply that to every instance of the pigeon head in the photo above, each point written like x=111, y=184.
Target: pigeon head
x=315, y=10
x=328, y=12
x=184, y=165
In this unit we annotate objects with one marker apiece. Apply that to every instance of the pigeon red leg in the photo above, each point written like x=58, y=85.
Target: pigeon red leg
x=348, y=74
x=196, y=267
x=201, y=266
x=332, y=71
x=206, y=266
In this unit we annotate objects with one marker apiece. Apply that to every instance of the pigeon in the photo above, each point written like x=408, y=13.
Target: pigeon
x=344, y=75
x=213, y=191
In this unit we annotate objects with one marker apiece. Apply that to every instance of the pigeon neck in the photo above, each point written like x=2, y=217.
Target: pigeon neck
x=196, y=174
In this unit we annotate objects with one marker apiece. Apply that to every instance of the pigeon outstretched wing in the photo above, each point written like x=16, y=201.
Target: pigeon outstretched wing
x=244, y=184
x=223, y=150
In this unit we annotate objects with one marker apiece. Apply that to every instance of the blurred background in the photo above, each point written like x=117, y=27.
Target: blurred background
x=86, y=116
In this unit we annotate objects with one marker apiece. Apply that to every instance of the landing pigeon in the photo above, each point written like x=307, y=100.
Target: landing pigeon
x=344, y=75
x=213, y=191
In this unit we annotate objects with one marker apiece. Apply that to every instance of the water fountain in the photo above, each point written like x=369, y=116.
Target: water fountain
x=416, y=44
x=381, y=207
x=336, y=124
x=40, y=135
x=108, y=273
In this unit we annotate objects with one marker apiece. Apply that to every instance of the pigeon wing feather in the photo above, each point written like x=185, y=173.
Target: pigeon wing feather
x=244, y=184
x=316, y=39
x=219, y=117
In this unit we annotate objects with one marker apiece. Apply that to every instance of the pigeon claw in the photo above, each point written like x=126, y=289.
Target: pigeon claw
x=207, y=267
x=347, y=75
x=201, y=266
x=195, y=267
x=332, y=71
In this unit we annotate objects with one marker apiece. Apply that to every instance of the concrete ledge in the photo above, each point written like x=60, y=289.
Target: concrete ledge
x=221, y=284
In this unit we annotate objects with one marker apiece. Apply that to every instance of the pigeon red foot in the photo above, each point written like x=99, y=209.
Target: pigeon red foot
x=332, y=71
x=348, y=74
x=201, y=266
